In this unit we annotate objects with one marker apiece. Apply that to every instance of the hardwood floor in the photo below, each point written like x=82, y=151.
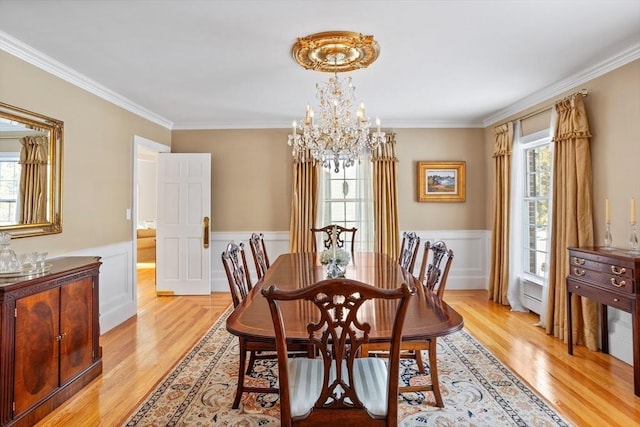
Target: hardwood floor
x=587, y=389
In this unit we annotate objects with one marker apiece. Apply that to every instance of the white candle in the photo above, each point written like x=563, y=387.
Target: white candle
x=378, y=123
x=633, y=210
x=295, y=125
x=607, y=218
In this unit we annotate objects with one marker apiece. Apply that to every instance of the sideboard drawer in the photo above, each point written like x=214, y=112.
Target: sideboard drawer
x=603, y=270
x=603, y=279
x=621, y=302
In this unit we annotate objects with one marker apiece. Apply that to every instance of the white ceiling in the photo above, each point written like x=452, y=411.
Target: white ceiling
x=190, y=64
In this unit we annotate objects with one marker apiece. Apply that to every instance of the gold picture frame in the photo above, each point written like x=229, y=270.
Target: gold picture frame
x=441, y=181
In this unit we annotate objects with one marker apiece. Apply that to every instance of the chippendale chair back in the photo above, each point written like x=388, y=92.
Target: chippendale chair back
x=433, y=275
x=259, y=252
x=343, y=235
x=339, y=387
x=409, y=251
x=234, y=261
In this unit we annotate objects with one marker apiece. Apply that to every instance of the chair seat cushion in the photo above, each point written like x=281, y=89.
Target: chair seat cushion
x=369, y=376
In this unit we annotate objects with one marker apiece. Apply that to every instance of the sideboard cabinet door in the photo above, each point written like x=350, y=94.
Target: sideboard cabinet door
x=76, y=328
x=37, y=343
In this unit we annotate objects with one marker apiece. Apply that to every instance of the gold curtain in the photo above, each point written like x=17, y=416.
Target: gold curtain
x=572, y=220
x=499, y=277
x=304, y=202
x=33, y=179
x=385, y=198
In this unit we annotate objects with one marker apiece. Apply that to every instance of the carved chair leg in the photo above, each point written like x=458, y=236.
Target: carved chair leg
x=433, y=365
x=252, y=361
x=241, y=368
x=418, y=355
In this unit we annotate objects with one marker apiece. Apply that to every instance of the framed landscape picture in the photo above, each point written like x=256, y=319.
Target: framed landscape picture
x=441, y=181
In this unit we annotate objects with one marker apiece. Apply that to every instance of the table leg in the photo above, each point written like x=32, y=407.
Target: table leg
x=569, y=322
x=604, y=329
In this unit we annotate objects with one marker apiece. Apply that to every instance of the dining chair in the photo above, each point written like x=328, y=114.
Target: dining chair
x=409, y=251
x=338, y=387
x=259, y=252
x=235, y=267
x=433, y=278
x=343, y=236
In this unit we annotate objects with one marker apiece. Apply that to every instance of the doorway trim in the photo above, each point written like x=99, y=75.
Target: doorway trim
x=139, y=144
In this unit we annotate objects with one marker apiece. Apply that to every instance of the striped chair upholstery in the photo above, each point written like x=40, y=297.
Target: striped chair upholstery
x=313, y=391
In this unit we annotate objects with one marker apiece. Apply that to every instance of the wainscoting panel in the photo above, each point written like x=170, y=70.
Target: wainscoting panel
x=470, y=266
x=468, y=271
x=117, y=293
x=276, y=242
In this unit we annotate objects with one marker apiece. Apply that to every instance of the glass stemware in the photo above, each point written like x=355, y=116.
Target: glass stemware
x=8, y=260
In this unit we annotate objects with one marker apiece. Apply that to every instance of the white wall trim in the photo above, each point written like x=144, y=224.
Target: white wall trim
x=470, y=268
x=116, y=284
x=34, y=57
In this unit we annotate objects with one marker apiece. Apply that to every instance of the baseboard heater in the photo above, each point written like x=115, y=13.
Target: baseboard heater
x=531, y=295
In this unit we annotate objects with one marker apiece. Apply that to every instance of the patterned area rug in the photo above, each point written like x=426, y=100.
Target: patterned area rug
x=476, y=388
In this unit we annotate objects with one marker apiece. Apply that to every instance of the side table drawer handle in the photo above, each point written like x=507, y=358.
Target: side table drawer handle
x=615, y=270
x=578, y=261
x=578, y=272
x=615, y=283
x=616, y=300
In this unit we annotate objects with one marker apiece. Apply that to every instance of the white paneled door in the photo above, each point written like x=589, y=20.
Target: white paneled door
x=183, y=264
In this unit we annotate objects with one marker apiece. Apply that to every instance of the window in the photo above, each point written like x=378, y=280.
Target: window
x=538, y=158
x=346, y=199
x=9, y=188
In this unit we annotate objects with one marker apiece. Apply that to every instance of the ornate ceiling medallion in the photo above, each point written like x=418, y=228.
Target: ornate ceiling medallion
x=335, y=51
x=337, y=136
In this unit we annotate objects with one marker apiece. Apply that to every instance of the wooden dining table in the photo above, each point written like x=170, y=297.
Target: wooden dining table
x=428, y=316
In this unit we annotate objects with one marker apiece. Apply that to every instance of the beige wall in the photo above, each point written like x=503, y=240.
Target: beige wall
x=251, y=170
x=251, y=173
x=613, y=109
x=447, y=145
x=97, y=169
x=251, y=177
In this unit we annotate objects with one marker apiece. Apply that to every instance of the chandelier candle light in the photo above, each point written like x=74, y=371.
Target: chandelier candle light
x=337, y=136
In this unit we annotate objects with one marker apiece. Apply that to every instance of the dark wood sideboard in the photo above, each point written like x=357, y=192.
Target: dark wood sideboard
x=612, y=278
x=49, y=338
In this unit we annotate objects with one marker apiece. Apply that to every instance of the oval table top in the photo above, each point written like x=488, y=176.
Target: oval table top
x=427, y=316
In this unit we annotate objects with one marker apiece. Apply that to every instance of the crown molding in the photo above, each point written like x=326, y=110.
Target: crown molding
x=271, y=125
x=622, y=58
x=36, y=58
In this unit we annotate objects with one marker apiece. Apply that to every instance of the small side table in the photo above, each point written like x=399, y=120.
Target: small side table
x=612, y=278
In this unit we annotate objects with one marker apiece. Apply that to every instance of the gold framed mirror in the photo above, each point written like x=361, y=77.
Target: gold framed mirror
x=30, y=172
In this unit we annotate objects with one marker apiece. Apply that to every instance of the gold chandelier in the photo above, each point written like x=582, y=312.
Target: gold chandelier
x=337, y=135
